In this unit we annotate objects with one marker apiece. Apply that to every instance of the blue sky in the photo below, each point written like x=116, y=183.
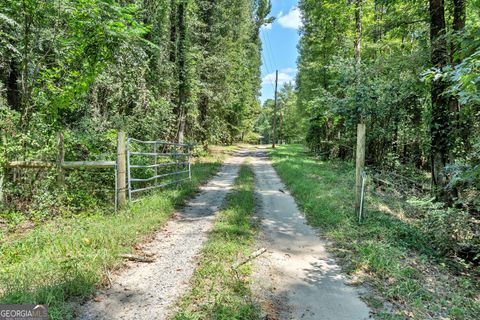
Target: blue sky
x=280, y=41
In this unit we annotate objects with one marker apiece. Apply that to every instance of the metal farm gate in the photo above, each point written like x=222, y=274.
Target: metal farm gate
x=155, y=164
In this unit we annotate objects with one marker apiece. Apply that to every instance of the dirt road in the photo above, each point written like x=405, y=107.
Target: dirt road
x=296, y=278
x=148, y=290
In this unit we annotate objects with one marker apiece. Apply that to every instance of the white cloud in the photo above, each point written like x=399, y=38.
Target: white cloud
x=283, y=77
x=292, y=20
x=289, y=70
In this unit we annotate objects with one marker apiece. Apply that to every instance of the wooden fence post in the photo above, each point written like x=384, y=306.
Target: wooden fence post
x=60, y=160
x=360, y=164
x=2, y=169
x=121, y=170
x=2, y=175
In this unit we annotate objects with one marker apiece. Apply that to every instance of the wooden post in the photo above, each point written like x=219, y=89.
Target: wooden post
x=121, y=171
x=2, y=169
x=360, y=164
x=60, y=160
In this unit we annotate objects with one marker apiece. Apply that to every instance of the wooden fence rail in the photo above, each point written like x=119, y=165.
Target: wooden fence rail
x=65, y=164
x=60, y=164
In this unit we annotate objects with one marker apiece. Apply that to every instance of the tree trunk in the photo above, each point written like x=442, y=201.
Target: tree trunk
x=459, y=15
x=357, y=46
x=13, y=92
x=207, y=43
x=173, y=31
x=439, y=127
x=358, y=32
x=25, y=96
x=172, y=55
x=182, y=72
x=378, y=18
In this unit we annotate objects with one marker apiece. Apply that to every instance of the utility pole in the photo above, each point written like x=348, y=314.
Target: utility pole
x=275, y=111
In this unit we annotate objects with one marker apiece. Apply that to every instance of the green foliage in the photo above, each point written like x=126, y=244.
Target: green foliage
x=452, y=230
x=252, y=138
x=228, y=64
x=264, y=123
x=290, y=123
x=385, y=89
x=417, y=116
x=156, y=69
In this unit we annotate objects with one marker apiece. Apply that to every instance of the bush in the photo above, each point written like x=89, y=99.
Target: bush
x=251, y=137
x=452, y=231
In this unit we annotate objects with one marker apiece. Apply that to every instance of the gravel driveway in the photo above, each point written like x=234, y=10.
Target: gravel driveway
x=149, y=290
x=296, y=278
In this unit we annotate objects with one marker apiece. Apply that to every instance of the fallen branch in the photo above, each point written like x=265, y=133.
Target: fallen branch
x=380, y=181
x=249, y=258
x=109, y=278
x=133, y=257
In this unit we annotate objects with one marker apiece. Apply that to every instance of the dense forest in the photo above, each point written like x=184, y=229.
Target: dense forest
x=175, y=70
x=409, y=70
x=185, y=68
x=189, y=71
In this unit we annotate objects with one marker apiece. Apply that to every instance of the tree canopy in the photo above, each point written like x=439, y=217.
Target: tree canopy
x=169, y=69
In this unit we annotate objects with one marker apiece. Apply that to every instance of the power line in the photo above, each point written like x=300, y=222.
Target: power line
x=271, y=50
x=267, y=55
x=268, y=59
x=268, y=72
x=275, y=112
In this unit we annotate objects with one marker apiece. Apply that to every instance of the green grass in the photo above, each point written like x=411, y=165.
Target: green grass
x=390, y=254
x=63, y=260
x=217, y=292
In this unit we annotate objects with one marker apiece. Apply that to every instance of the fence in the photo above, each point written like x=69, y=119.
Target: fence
x=121, y=166
x=162, y=165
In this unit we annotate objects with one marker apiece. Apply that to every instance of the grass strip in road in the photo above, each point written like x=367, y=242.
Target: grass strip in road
x=392, y=255
x=65, y=259
x=217, y=292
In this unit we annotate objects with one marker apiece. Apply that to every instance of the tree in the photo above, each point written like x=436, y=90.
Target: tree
x=440, y=124
x=176, y=70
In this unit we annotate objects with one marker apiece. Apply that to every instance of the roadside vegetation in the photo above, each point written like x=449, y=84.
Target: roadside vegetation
x=63, y=260
x=394, y=252
x=157, y=70
x=218, y=292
